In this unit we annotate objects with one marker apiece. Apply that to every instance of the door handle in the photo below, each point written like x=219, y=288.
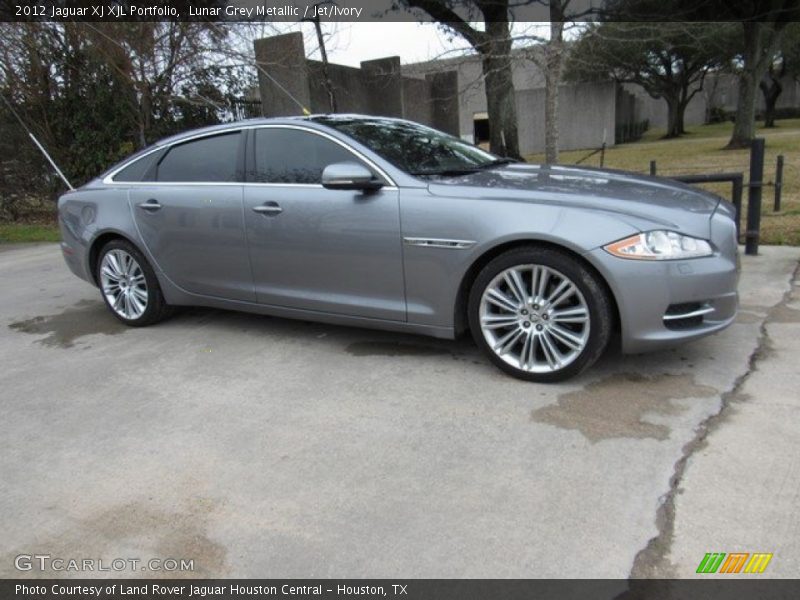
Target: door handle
x=269, y=208
x=151, y=205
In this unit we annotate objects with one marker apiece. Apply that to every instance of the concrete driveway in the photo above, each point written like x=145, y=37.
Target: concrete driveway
x=264, y=447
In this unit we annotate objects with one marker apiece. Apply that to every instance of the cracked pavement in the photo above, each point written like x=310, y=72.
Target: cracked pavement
x=267, y=447
x=740, y=488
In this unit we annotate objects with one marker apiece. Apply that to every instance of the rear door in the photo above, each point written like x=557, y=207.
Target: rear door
x=191, y=219
x=335, y=251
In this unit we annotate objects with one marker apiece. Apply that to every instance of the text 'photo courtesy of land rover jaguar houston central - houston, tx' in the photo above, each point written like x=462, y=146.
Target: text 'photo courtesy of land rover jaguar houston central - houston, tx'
x=384, y=223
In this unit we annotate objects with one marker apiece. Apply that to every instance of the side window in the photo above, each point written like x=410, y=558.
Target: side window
x=209, y=159
x=294, y=156
x=138, y=169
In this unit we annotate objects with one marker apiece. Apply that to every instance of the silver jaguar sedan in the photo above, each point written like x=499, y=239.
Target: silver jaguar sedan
x=385, y=223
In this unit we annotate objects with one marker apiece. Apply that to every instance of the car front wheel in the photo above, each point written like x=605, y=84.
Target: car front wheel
x=129, y=285
x=540, y=314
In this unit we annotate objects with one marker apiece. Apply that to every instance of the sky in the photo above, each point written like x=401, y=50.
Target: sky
x=350, y=43
x=412, y=42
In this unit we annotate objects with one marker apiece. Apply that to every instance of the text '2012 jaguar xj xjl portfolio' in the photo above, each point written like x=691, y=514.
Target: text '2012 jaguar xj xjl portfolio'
x=385, y=223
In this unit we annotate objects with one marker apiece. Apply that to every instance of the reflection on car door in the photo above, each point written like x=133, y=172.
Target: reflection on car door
x=191, y=219
x=316, y=249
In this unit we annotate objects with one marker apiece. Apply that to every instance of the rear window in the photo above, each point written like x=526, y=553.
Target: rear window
x=138, y=169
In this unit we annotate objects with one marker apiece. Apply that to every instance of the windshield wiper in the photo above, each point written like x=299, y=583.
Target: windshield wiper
x=445, y=172
x=497, y=163
x=466, y=170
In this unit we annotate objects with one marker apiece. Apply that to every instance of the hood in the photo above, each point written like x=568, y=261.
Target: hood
x=663, y=202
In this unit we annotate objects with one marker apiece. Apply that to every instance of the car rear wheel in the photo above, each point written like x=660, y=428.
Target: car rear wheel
x=129, y=285
x=540, y=314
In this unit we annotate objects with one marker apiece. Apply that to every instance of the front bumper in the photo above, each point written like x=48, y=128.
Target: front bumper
x=665, y=303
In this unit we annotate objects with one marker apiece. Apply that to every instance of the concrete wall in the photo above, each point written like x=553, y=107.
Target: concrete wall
x=655, y=109
x=586, y=110
x=525, y=73
x=348, y=83
x=628, y=109
x=445, y=110
x=449, y=93
x=385, y=86
x=790, y=97
x=377, y=88
x=284, y=58
x=469, y=86
x=586, y=113
x=418, y=100
x=721, y=92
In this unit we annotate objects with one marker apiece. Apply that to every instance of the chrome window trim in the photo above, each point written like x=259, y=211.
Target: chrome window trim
x=109, y=179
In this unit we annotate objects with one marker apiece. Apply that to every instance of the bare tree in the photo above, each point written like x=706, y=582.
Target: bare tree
x=761, y=24
x=93, y=92
x=326, y=78
x=551, y=62
x=761, y=39
x=785, y=62
x=668, y=60
x=554, y=53
x=156, y=59
x=771, y=86
x=493, y=44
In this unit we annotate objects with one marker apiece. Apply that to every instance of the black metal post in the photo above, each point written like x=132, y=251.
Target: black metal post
x=778, y=183
x=755, y=186
x=736, y=193
x=603, y=154
x=653, y=168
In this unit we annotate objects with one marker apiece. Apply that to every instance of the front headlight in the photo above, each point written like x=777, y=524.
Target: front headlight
x=660, y=245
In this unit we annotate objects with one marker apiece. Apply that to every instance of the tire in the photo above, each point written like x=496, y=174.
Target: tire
x=543, y=334
x=129, y=285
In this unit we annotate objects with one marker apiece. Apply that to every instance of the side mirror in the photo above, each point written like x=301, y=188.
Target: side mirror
x=349, y=176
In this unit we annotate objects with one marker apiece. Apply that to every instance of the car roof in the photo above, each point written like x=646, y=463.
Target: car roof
x=315, y=120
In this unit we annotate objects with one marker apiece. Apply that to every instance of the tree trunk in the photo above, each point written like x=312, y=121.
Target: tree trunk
x=554, y=54
x=145, y=114
x=326, y=77
x=674, y=117
x=760, y=46
x=771, y=91
x=680, y=117
x=744, y=127
x=500, y=97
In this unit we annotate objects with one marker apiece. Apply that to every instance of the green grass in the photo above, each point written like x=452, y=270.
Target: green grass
x=21, y=232
x=702, y=151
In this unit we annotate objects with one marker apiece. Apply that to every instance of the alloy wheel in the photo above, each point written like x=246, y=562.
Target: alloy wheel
x=123, y=283
x=534, y=318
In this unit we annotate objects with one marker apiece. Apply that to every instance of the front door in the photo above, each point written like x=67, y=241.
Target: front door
x=311, y=248
x=191, y=219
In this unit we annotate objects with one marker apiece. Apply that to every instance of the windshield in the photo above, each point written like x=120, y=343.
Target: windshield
x=414, y=148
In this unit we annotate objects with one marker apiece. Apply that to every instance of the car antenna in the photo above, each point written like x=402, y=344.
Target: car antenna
x=38, y=144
